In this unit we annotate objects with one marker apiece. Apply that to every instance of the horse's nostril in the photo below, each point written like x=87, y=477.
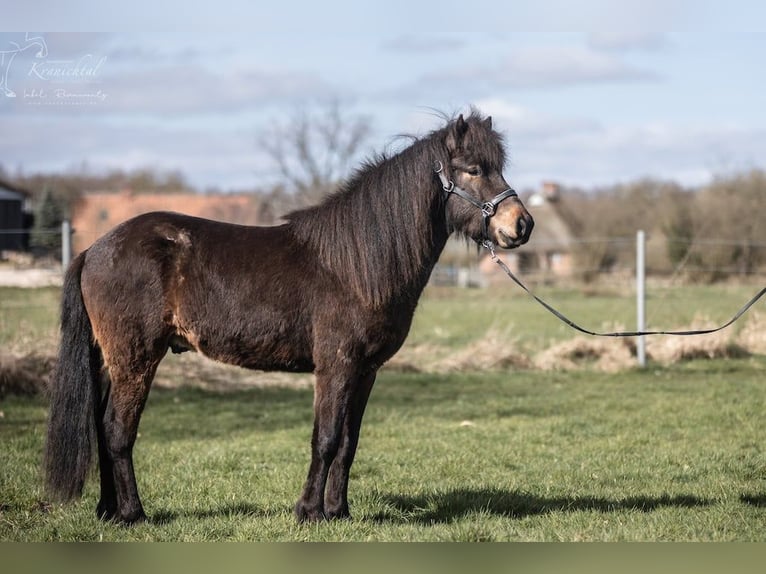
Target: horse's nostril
x=521, y=228
x=525, y=226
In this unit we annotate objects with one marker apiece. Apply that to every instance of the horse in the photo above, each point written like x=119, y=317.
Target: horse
x=331, y=291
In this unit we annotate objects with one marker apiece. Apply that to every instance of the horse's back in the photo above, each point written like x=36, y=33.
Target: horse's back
x=162, y=250
x=232, y=292
x=161, y=239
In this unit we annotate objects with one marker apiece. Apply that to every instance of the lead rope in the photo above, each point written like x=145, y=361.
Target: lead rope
x=491, y=248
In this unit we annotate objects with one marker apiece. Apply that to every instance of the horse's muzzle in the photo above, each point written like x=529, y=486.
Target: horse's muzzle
x=512, y=228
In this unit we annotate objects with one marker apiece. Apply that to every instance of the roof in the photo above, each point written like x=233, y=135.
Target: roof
x=96, y=213
x=10, y=191
x=551, y=232
x=6, y=195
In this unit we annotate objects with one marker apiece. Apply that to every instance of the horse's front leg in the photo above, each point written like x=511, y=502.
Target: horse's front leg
x=336, y=493
x=331, y=402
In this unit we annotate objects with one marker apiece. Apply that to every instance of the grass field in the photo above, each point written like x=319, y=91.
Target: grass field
x=669, y=453
x=448, y=316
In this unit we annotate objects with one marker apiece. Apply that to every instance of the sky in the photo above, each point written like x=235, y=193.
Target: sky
x=668, y=90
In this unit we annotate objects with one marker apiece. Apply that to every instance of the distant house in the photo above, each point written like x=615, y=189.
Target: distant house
x=15, y=218
x=549, y=251
x=96, y=213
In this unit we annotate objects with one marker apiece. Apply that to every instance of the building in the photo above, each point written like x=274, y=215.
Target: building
x=549, y=251
x=97, y=213
x=15, y=218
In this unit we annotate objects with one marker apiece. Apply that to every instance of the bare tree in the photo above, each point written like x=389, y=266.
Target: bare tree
x=728, y=224
x=315, y=148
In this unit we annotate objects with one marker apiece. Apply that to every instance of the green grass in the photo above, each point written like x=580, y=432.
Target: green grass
x=454, y=317
x=667, y=454
x=28, y=315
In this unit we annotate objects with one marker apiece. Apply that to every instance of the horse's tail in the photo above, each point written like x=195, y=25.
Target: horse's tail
x=74, y=394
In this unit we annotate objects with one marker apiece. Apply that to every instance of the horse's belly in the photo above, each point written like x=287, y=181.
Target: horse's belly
x=260, y=353
x=242, y=319
x=274, y=356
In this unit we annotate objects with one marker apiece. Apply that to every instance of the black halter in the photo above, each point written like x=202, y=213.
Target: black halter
x=488, y=208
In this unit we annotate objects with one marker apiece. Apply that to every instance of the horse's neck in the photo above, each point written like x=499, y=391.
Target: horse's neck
x=382, y=249
x=432, y=222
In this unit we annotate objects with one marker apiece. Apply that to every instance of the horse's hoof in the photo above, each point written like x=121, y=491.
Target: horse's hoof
x=106, y=511
x=338, y=514
x=131, y=519
x=304, y=513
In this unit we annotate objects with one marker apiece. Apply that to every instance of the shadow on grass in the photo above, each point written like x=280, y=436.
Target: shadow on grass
x=443, y=507
x=758, y=500
x=239, y=510
x=449, y=506
x=181, y=414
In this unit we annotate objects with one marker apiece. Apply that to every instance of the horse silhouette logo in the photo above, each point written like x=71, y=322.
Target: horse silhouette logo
x=7, y=57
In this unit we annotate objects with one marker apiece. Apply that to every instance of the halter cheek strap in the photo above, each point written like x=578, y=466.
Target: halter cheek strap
x=488, y=208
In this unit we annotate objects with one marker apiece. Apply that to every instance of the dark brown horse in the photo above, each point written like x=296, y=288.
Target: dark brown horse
x=331, y=291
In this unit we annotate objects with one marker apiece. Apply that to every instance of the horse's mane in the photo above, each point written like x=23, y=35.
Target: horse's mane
x=383, y=230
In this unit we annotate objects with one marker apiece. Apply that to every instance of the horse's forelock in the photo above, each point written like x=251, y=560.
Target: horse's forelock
x=482, y=141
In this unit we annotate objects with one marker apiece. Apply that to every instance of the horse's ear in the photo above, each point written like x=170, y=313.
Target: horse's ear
x=460, y=125
x=455, y=135
x=488, y=122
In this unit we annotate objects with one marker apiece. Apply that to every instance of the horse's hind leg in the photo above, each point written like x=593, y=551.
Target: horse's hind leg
x=118, y=430
x=107, y=504
x=336, y=494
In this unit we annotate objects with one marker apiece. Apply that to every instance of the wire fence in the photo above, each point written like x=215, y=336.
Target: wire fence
x=718, y=272
x=613, y=260
x=588, y=260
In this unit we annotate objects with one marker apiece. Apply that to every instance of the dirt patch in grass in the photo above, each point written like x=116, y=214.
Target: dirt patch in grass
x=28, y=372
x=25, y=374
x=720, y=345
x=753, y=335
x=193, y=370
x=608, y=355
x=492, y=352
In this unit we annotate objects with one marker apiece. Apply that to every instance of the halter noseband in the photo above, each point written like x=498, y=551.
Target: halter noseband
x=488, y=208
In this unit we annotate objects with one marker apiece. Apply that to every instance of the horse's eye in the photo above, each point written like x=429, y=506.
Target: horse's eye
x=475, y=171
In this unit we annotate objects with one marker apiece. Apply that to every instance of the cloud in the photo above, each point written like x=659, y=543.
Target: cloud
x=573, y=150
x=193, y=88
x=207, y=156
x=521, y=122
x=542, y=67
x=411, y=44
x=58, y=44
x=690, y=155
x=558, y=66
x=622, y=41
x=581, y=151
x=142, y=78
x=173, y=89
x=198, y=109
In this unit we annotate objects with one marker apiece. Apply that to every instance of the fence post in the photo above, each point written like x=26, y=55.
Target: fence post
x=66, y=243
x=641, y=296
